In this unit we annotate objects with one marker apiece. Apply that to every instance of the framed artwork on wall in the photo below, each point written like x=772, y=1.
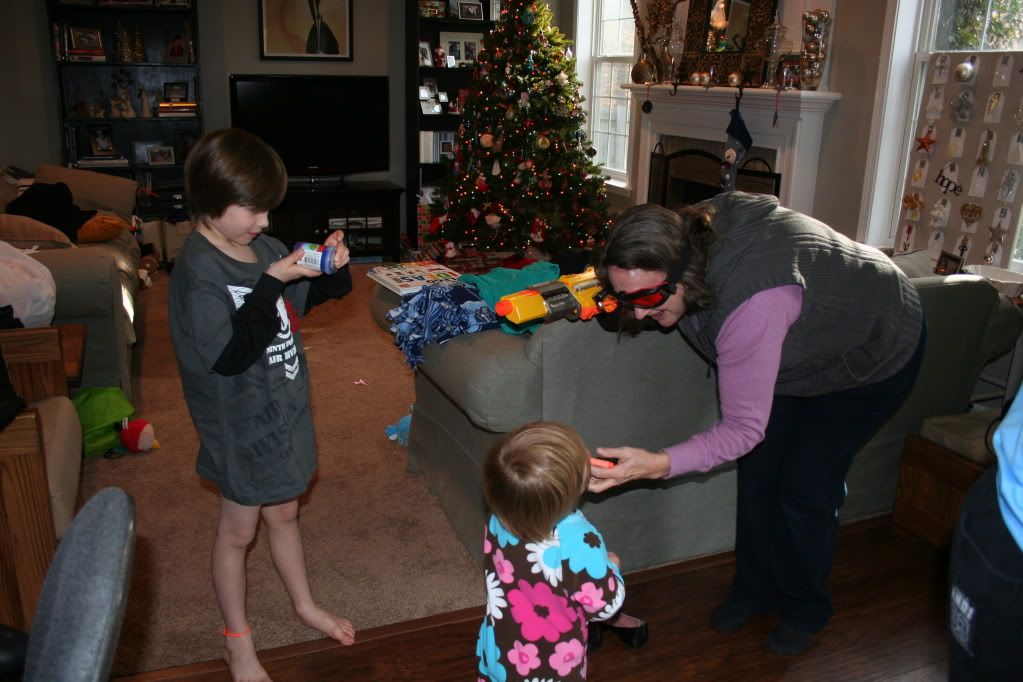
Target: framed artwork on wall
x=305, y=29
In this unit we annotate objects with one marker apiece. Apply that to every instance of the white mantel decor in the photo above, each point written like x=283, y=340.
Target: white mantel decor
x=703, y=113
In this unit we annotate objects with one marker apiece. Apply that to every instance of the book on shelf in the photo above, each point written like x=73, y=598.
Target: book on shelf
x=408, y=278
x=101, y=161
x=86, y=57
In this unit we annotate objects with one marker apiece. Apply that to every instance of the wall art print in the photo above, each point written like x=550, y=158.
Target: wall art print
x=305, y=29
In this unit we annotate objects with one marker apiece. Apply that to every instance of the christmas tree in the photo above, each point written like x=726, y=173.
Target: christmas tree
x=522, y=172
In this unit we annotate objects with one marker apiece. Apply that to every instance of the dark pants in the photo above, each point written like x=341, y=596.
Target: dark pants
x=790, y=488
x=985, y=591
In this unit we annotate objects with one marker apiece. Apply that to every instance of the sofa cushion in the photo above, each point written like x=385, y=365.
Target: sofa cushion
x=24, y=233
x=93, y=190
x=915, y=263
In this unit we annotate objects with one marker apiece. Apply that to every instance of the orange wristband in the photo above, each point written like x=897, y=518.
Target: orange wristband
x=247, y=630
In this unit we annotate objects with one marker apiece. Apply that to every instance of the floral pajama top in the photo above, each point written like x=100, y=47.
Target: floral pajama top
x=540, y=596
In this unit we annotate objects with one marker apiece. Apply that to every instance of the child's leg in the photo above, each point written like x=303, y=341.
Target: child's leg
x=289, y=558
x=235, y=531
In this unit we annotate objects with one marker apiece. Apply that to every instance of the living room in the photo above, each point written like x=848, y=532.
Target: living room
x=841, y=195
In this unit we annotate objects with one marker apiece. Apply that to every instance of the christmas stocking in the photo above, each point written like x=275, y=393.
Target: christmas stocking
x=738, y=143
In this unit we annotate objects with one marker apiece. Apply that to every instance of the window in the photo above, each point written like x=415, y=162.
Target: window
x=913, y=30
x=607, y=46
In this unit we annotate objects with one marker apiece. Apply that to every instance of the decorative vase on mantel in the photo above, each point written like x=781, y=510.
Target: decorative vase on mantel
x=816, y=25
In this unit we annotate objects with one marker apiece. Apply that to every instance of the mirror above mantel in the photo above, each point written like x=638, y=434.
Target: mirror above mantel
x=727, y=35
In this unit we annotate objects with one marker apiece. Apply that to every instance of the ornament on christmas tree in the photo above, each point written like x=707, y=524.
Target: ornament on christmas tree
x=486, y=140
x=543, y=142
x=496, y=168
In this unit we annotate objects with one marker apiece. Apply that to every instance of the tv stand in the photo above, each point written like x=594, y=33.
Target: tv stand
x=314, y=180
x=368, y=212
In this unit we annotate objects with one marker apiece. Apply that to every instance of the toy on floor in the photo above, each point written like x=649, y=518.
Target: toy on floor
x=137, y=435
x=399, y=431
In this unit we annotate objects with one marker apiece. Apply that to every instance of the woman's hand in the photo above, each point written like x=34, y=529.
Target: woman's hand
x=341, y=254
x=633, y=464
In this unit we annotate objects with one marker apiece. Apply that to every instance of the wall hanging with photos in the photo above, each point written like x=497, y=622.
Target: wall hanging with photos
x=961, y=199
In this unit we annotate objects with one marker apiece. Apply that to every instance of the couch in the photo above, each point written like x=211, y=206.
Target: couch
x=97, y=282
x=651, y=391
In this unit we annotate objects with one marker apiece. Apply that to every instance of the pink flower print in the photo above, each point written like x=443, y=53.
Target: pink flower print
x=503, y=567
x=590, y=597
x=486, y=542
x=540, y=612
x=566, y=656
x=524, y=657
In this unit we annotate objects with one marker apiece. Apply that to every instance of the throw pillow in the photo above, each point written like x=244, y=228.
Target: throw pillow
x=53, y=205
x=24, y=233
x=101, y=228
x=915, y=263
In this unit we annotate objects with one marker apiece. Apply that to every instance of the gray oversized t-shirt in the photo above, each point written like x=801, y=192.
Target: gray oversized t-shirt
x=257, y=443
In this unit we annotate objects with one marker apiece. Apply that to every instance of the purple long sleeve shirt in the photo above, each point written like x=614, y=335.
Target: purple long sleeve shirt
x=749, y=355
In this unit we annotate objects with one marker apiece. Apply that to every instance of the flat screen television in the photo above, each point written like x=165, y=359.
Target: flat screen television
x=322, y=126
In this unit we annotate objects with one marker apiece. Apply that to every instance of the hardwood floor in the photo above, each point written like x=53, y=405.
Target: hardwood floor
x=889, y=595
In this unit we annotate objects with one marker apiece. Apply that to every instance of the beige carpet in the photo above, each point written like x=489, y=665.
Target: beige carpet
x=379, y=549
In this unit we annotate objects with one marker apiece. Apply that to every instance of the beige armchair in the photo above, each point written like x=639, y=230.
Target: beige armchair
x=40, y=469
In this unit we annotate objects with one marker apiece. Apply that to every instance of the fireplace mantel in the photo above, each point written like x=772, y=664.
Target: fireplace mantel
x=702, y=113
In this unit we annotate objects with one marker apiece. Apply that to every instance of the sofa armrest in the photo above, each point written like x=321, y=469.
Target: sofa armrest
x=89, y=290
x=489, y=376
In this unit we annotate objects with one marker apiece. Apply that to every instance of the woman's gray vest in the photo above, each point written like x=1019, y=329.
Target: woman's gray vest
x=861, y=317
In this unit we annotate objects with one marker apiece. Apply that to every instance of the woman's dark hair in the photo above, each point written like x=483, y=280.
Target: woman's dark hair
x=651, y=237
x=232, y=166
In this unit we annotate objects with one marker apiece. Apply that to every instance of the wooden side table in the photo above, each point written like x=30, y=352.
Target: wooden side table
x=72, y=346
x=932, y=483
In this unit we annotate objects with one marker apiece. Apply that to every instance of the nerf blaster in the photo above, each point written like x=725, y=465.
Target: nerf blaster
x=572, y=297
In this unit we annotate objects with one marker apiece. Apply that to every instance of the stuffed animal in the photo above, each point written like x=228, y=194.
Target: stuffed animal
x=137, y=435
x=399, y=431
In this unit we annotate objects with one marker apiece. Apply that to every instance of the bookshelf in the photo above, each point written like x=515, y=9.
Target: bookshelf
x=432, y=121
x=128, y=84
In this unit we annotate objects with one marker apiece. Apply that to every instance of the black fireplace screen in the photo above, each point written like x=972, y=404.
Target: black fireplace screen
x=691, y=175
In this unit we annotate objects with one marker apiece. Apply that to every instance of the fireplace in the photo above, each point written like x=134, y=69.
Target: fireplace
x=786, y=128
x=690, y=175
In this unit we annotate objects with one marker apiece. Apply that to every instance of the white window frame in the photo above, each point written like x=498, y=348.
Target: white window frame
x=910, y=26
x=587, y=25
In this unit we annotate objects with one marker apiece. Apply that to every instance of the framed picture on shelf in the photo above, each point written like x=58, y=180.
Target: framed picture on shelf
x=300, y=29
x=101, y=141
x=430, y=107
x=140, y=150
x=176, y=91
x=431, y=86
x=425, y=54
x=472, y=11
x=948, y=264
x=424, y=92
x=160, y=155
x=462, y=47
x=178, y=48
x=80, y=38
x=432, y=8
x=442, y=97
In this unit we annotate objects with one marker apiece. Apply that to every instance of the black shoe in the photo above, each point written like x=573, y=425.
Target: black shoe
x=730, y=616
x=785, y=641
x=634, y=637
x=595, y=637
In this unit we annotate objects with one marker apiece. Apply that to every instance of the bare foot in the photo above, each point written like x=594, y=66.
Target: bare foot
x=240, y=656
x=333, y=626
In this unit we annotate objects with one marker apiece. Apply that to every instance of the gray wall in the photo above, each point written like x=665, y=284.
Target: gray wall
x=228, y=37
